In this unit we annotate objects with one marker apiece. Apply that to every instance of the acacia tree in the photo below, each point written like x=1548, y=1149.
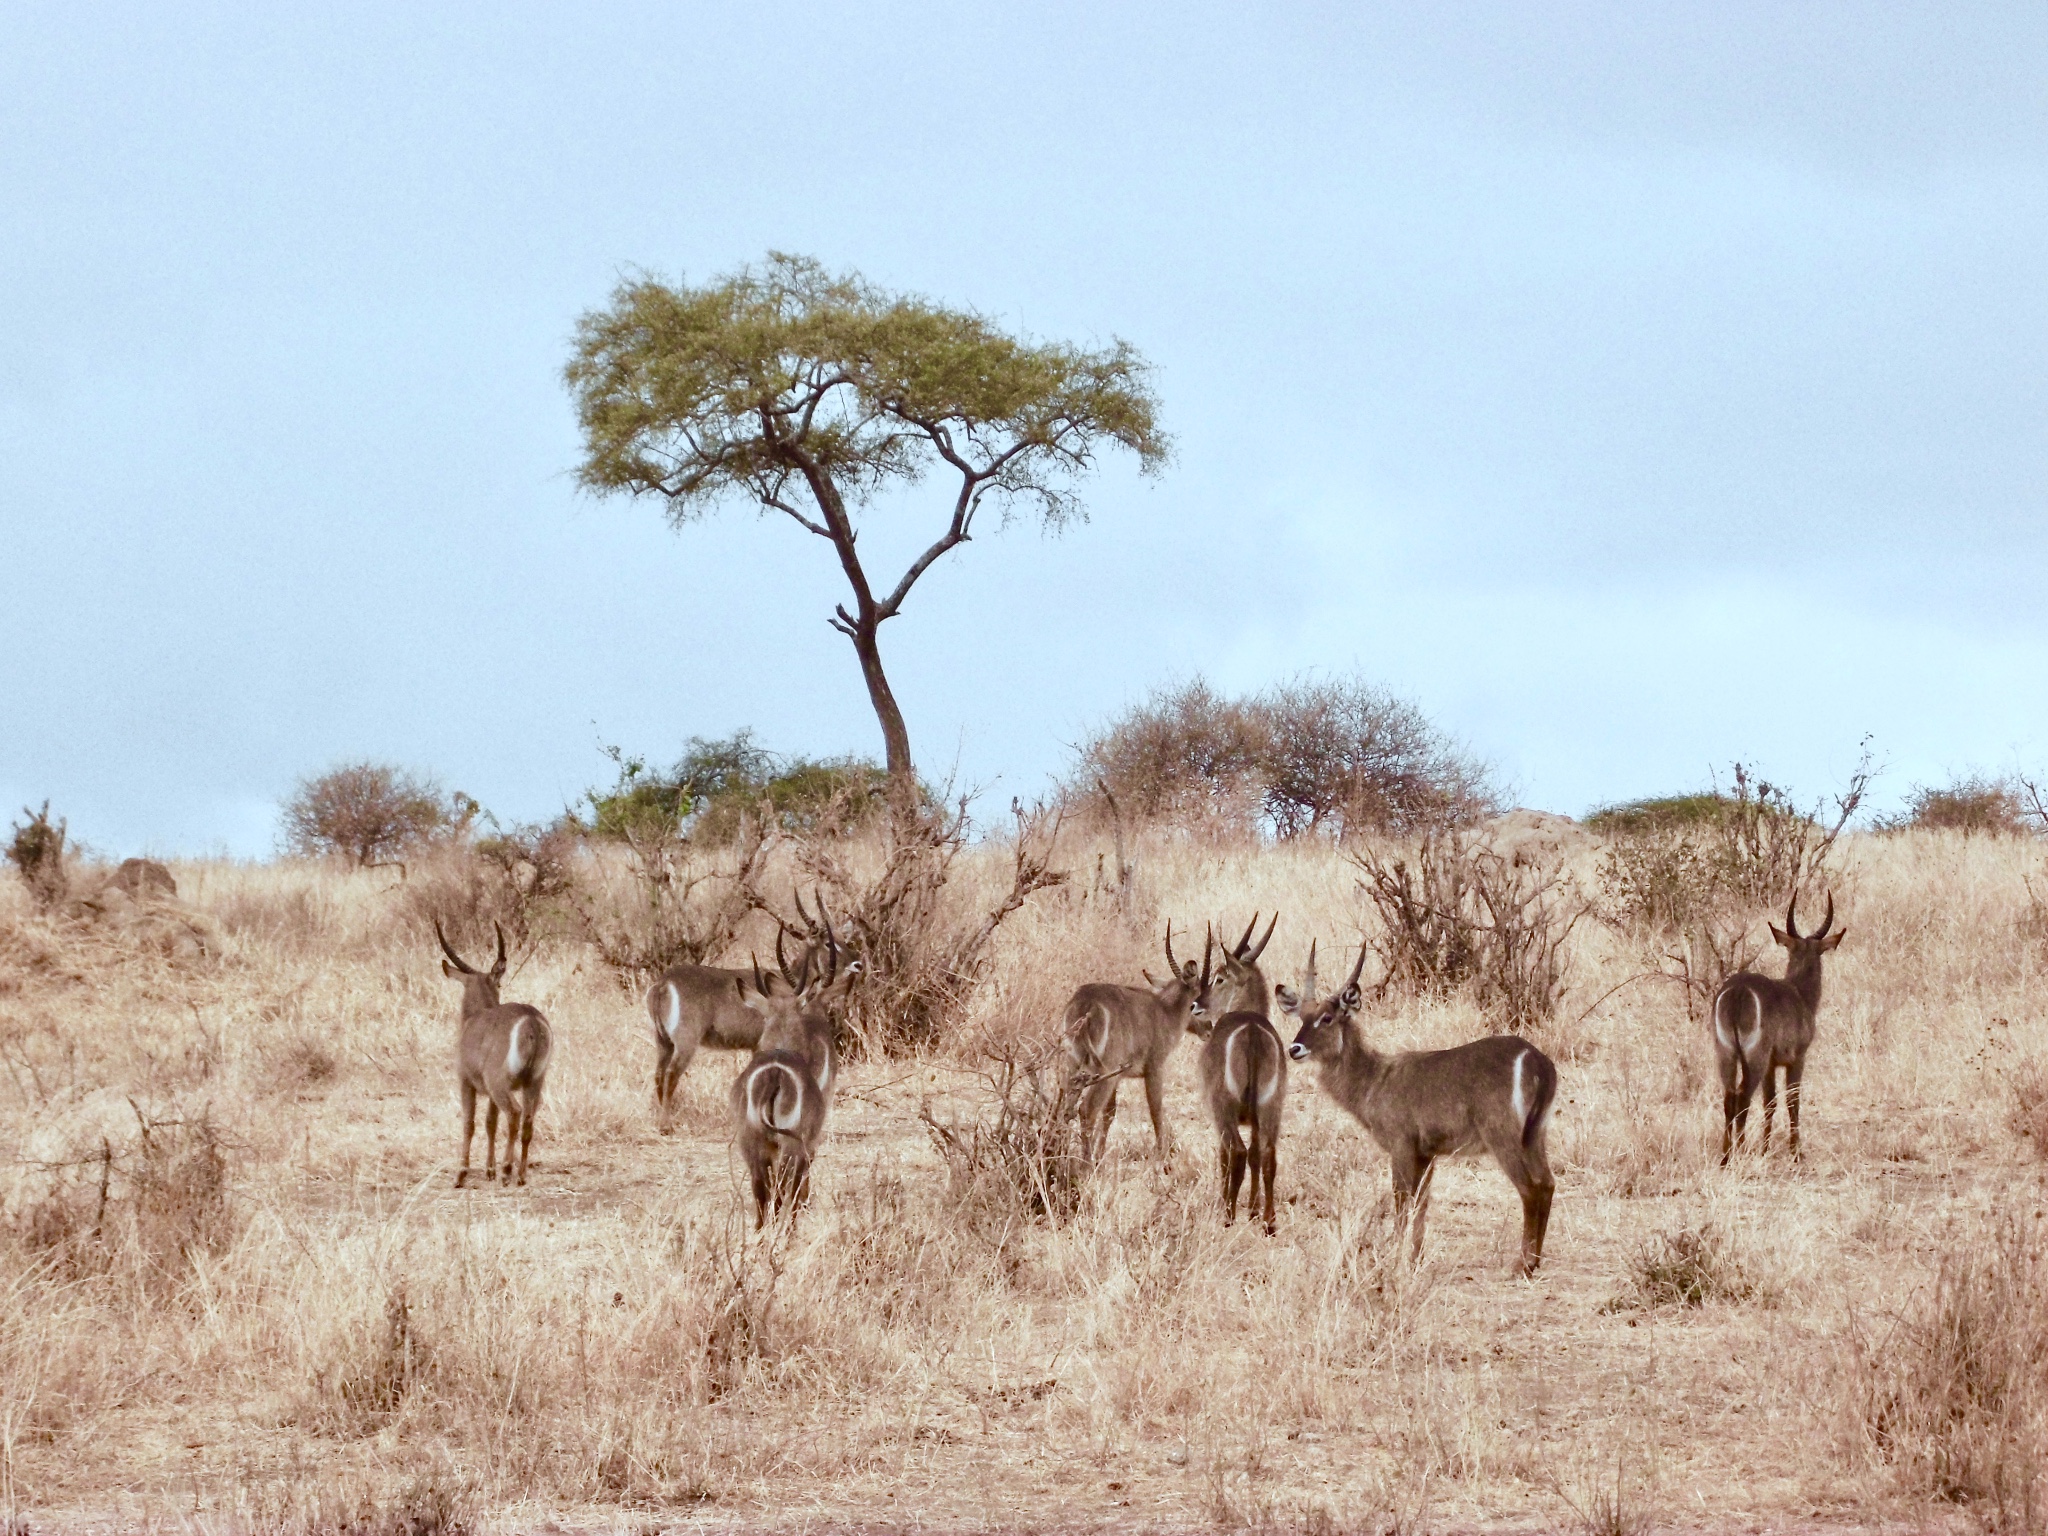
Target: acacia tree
x=807, y=393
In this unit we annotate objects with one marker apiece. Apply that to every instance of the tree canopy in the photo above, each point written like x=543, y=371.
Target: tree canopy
x=809, y=393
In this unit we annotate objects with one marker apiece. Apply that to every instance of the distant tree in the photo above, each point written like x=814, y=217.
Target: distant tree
x=368, y=813
x=1970, y=803
x=1328, y=756
x=798, y=391
x=716, y=783
x=1343, y=756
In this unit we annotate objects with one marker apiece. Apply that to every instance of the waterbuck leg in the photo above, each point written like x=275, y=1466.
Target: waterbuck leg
x=526, y=1130
x=468, y=1132
x=490, y=1138
x=1230, y=1149
x=1793, y=1072
x=512, y=1122
x=1770, y=1107
x=1528, y=1169
x=1155, y=1102
x=1422, y=1207
x=664, y=1085
x=1269, y=1162
x=1409, y=1166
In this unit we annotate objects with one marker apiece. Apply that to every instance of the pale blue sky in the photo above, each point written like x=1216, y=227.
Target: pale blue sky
x=1634, y=387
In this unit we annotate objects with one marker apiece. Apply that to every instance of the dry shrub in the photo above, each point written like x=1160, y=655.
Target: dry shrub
x=1019, y=1159
x=2028, y=1113
x=1687, y=1266
x=430, y=1503
x=923, y=947
x=521, y=880
x=37, y=852
x=1955, y=1398
x=375, y=1372
x=1692, y=887
x=654, y=897
x=1974, y=804
x=1455, y=914
x=143, y=1211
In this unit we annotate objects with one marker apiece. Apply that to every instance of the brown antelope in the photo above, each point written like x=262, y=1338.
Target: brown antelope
x=1494, y=1093
x=700, y=1005
x=502, y=1053
x=1117, y=1032
x=1244, y=1080
x=781, y=1096
x=1240, y=985
x=1762, y=1024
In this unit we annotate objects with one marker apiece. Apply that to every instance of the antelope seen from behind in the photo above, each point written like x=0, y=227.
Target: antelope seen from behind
x=1116, y=1032
x=780, y=1098
x=692, y=1006
x=1762, y=1024
x=502, y=1052
x=1244, y=1082
x=1494, y=1093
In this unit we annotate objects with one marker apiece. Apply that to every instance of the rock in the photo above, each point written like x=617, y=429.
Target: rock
x=144, y=879
x=1534, y=839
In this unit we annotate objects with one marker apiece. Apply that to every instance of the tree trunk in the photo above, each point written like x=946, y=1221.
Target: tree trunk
x=895, y=736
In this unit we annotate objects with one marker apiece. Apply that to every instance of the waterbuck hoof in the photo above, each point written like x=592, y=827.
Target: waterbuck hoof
x=461, y=1177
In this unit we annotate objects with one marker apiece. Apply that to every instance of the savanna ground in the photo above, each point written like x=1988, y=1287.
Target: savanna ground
x=238, y=1290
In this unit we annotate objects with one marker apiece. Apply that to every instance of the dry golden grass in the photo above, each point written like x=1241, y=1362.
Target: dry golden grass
x=237, y=1290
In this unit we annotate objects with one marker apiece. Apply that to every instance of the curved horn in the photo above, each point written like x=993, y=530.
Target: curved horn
x=1252, y=958
x=782, y=963
x=1308, y=976
x=810, y=923
x=1244, y=939
x=1172, y=964
x=824, y=917
x=1792, y=907
x=447, y=949
x=1826, y=922
x=1358, y=970
x=760, y=981
x=498, y=965
x=1208, y=947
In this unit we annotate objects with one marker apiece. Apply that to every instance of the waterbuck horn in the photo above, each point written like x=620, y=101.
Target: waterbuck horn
x=1358, y=970
x=1252, y=958
x=1308, y=976
x=1826, y=922
x=1172, y=964
x=454, y=959
x=1244, y=939
x=1791, y=908
x=782, y=964
x=810, y=923
x=1208, y=948
x=498, y=965
x=760, y=981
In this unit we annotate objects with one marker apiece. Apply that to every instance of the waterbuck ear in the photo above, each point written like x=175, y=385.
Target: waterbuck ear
x=1149, y=979
x=1286, y=998
x=1352, y=998
x=1779, y=934
x=1833, y=939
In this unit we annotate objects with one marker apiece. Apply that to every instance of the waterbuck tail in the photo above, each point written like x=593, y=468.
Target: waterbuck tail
x=775, y=1098
x=1535, y=1091
x=526, y=1053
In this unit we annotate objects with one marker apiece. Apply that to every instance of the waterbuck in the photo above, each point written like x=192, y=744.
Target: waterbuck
x=700, y=1005
x=781, y=1096
x=502, y=1053
x=1240, y=984
x=1762, y=1024
x=1494, y=1093
x=1117, y=1032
